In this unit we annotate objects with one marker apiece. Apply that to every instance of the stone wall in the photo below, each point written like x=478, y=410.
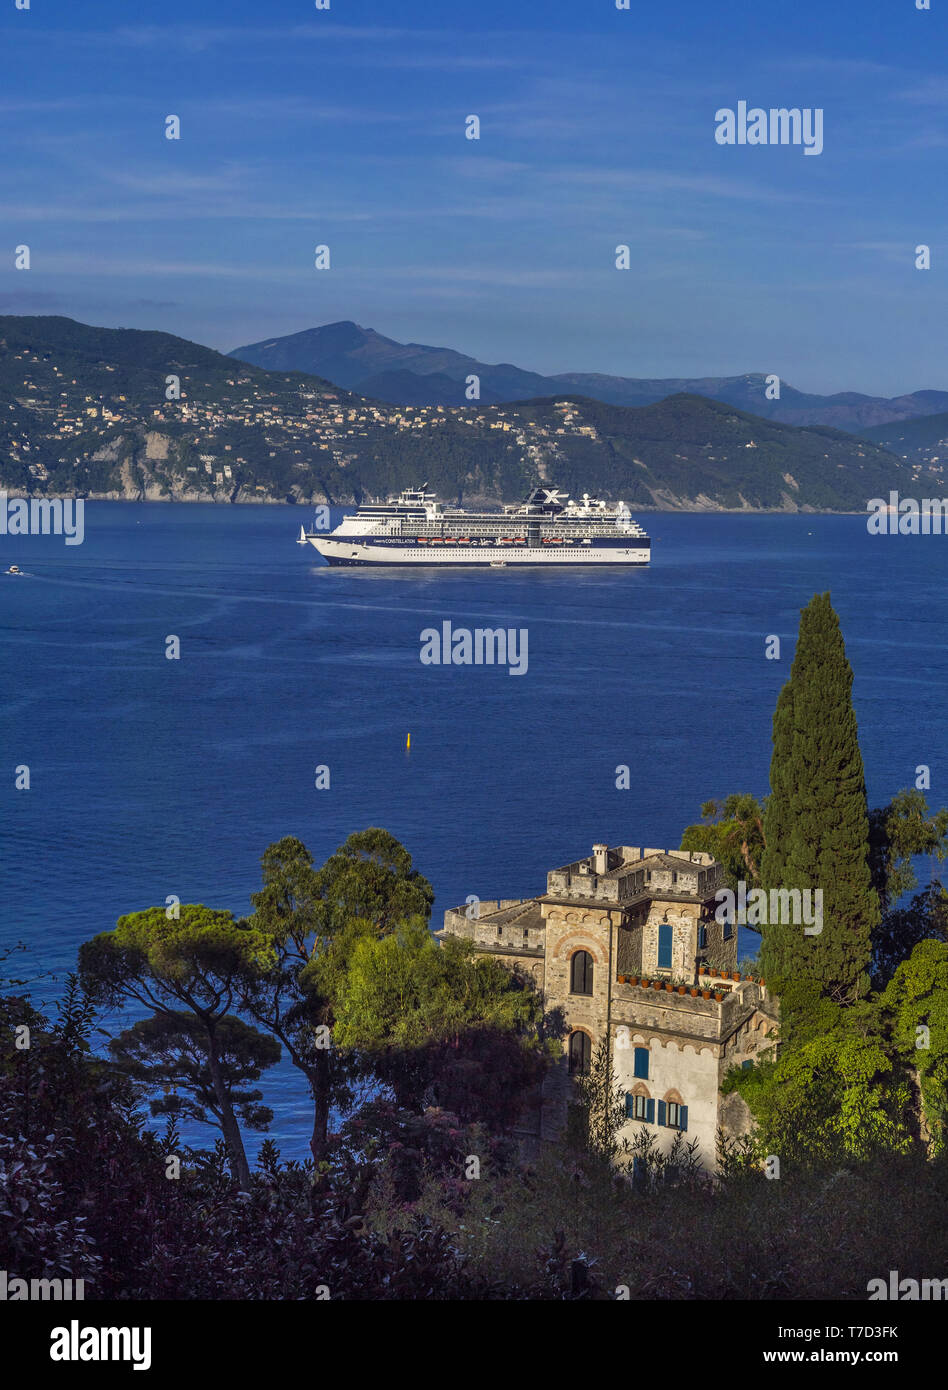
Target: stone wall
x=568, y=930
x=683, y=921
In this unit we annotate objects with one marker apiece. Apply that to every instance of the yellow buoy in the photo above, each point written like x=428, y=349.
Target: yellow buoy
x=408, y=742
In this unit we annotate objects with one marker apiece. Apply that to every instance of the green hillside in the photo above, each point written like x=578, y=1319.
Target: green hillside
x=923, y=441
x=84, y=410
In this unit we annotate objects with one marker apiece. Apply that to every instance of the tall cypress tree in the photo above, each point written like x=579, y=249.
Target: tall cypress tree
x=817, y=821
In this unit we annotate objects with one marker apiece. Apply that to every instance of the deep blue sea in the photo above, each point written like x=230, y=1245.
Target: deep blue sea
x=151, y=777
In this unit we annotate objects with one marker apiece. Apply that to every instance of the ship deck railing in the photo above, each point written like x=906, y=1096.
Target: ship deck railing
x=493, y=532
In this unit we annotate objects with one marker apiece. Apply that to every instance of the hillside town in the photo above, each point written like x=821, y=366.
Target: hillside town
x=300, y=423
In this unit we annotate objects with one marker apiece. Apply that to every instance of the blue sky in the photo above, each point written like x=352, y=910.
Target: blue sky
x=346, y=128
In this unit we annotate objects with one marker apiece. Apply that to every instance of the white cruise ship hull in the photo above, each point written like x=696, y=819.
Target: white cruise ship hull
x=339, y=551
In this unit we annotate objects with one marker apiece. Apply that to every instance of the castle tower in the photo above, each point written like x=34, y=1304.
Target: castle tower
x=624, y=915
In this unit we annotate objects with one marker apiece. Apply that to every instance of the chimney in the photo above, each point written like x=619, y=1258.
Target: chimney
x=600, y=859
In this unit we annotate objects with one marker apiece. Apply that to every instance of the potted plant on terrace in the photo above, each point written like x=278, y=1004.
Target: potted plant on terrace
x=705, y=994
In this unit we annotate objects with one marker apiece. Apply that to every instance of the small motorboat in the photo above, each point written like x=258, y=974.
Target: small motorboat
x=498, y=564
x=14, y=569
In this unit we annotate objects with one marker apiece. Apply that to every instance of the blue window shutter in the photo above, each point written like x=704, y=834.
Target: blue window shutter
x=641, y=1063
x=661, y=1112
x=664, y=946
x=682, y=1117
x=629, y=1105
x=650, y=1112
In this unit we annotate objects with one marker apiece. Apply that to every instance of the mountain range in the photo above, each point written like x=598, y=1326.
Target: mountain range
x=125, y=413
x=362, y=360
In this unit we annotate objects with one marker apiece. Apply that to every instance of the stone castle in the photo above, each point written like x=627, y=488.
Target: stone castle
x=604, y=925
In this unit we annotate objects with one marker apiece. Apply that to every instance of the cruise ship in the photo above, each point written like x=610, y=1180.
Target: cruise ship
x=549, y=528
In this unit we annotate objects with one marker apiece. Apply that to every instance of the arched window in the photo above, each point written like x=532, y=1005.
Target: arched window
x=639, y=1106
x=672, y=1113
x=664, y=946
x=580, y=1052
x=581, y=973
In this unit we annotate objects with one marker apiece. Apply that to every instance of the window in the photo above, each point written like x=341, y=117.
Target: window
x=745, y=1065
x=664, y=946
x=640, y=1064
x=580, y=1050
x=581, y=973
x=673, y=1115
x=702, y=937
x=640, y=1108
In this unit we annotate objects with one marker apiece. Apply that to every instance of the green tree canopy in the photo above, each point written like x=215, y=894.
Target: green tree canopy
x=310, y=917
x=732, y=831
x=192, y=962
x=916, y=1005
x=925, y=918
x=442, y=1025
x=169, y=1053
x=816, y=827
x=370, y=878
x=835, y=1097
x=897, y=833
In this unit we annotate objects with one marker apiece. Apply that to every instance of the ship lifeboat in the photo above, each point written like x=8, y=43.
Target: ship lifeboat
x=448, y=540
x=421, y=540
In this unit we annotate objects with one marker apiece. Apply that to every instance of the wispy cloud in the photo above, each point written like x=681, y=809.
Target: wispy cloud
x=24, y=301
x=197, y=38
x=932, y=91
x=837, y=67
x=661, y=181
